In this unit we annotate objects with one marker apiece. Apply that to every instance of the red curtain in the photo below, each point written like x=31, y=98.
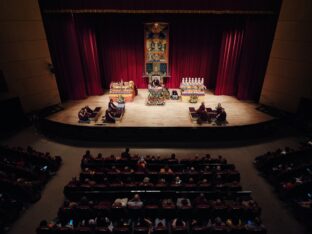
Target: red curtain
x=230, y=54
x=89, y=54
x=65, y=53
x=194, y=51
x=121, y=50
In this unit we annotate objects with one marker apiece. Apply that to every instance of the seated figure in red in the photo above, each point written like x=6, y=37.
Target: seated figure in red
x=202, y=114
x=109, y=117
x=84, y=113
x=219, y=108
x=221, y=117
x=201, y=109
x=111, y=106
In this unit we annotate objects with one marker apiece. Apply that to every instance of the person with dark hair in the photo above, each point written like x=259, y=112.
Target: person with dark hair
x=135, y=201
x=183, y=203
x=165, y=170
x=178, y=223
x=172, y=159
x=87, y=155
x=111, y=106
x=200, y=200
x=221, y=117
x=219, y=108
x=126, y=155
x=201, y=109
x=109, y=117
x=99, y=156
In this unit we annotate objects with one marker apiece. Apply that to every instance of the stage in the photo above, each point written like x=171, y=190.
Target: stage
x=160, y=123
x=173, y=114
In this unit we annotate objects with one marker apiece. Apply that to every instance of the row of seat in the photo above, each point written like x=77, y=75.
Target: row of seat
x=290, y=172
x=23, y=173
x=212, y=199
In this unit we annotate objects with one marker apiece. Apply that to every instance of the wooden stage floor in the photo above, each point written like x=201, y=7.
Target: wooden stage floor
x=173, y=114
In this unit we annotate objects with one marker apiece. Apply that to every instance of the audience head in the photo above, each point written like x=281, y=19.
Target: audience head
x=146, y=180
x=136, y=197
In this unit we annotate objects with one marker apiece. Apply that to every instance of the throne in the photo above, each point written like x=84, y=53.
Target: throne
x=157, y=78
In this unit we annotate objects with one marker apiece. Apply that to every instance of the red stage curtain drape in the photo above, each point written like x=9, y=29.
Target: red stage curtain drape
x=65, y=53
x=89, y=55
x=74, y=53
x=194, y=52
x=121, y=50
x=230, y=54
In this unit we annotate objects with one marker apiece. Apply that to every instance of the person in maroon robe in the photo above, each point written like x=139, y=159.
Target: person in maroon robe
x=201, y=108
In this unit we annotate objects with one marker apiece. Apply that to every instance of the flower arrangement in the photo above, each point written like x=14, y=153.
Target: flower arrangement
x=120, y=99
x=193, y=99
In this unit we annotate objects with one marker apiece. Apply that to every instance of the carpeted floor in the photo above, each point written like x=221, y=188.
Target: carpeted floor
x=275, y=214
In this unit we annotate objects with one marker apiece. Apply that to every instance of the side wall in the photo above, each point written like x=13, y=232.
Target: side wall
x=289, y=72
x=24, y=54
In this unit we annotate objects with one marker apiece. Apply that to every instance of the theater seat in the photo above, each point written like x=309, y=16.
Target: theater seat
x=44, y=230
x=140, y=230
x=199, y=230
x=121, y=230
x=101, y=230
x=160, y=230
x=219, y=231
x=64, y=230
x=257, y=231
x=179, y=230
x=82, y=230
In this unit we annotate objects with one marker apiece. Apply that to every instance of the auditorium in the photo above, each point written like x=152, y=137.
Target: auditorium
x=155, y=116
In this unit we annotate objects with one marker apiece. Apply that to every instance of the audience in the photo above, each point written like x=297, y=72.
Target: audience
x=143, y=194
x=23, y=173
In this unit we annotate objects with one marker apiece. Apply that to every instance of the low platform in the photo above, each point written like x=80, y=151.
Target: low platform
x=171, y=121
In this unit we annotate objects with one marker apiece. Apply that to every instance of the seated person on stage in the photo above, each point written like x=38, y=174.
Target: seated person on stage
x=174, y=95
x=155, y=83
x=84, y=114
x=202, y=114
x=219, y=108
x=109, y=117
x=112, y=107
x=201, y=108
x=89, y=110
x=221, y=117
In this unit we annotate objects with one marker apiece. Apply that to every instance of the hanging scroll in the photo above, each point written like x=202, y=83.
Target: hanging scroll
x=156, y=41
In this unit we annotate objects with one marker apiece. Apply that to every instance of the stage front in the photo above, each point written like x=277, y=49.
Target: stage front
x=170, y=121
